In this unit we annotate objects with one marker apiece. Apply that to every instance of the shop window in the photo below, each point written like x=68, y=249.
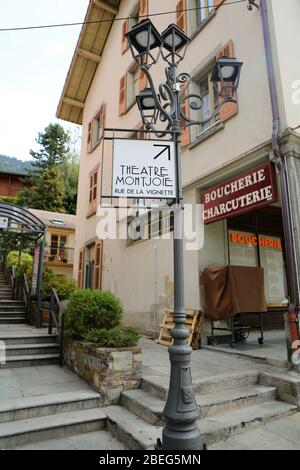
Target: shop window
x=242, y=248
x=271, y=259
x=250, y=249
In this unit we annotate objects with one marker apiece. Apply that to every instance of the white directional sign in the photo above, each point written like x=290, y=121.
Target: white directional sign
x=144, y=169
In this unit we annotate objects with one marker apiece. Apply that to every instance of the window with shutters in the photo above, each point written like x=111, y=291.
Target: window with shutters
x=98, y=124
x=98, y=265
x=150, y=225
x=202, y=9
x=93, y=192
x=132, y=87
x=80, y=268
x=89, y=138
x=203, y=86
x=197, y=14
x=138, y=13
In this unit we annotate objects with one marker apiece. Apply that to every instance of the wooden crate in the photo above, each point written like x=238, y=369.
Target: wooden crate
x=194, y=323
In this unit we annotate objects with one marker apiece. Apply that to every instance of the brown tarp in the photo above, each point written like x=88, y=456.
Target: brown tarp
x=229, y=290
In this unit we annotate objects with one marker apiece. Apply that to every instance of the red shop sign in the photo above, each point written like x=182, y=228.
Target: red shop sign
x=250, y=190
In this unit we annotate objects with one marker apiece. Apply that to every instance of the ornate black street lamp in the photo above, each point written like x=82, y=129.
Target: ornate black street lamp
x=181, y=411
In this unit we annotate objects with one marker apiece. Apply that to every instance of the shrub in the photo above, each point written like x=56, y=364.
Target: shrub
x=115, y=338
x=25, y=265
x=64, y=286
x=88, y=309
x=10, y=199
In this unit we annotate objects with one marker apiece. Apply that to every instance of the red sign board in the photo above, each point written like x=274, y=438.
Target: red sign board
x=248, y=191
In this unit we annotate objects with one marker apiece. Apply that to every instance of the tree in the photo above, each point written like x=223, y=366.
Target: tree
x=69, y=171
x=54, y=143
x=45, y=188
x=48, y=193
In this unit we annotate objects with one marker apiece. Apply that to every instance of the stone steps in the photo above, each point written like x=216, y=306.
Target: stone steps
x=22, y=432
x=137, y=434
x=13, y=320
x=56, y=403
x=31, y=349
x=30, y=360
x=96, y=440
x=151, y=408
x=21, y=339
x=11, y=302
x=158, y=386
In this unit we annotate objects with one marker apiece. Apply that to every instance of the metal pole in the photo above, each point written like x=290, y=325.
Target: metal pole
x=39, y=320
x=181, y=410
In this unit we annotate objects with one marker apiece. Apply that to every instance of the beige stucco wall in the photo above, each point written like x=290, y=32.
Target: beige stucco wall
x=285, y=28
x=141, y=275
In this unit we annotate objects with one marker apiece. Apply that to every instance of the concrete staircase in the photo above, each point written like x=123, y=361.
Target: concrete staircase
x=28, y=420
x=229, y=405
x=24, y=347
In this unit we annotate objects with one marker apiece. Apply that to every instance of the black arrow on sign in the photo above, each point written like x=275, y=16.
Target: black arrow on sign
x=165, y=147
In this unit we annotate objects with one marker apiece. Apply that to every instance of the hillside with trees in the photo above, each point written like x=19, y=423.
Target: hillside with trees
x=12, y=164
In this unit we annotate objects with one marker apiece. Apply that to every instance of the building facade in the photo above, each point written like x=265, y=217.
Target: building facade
x=60, y=241
x=11, y=183
x=233, y=147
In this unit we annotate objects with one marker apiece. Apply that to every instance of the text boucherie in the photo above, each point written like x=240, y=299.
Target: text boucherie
x=237, y=195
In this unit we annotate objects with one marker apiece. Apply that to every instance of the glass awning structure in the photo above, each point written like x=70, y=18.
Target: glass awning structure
x=18, y=224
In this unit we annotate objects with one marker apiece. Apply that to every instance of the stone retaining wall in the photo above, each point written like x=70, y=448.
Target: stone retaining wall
x=107, y=370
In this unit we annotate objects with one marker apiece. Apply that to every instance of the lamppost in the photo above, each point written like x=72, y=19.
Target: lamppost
x=166, y=106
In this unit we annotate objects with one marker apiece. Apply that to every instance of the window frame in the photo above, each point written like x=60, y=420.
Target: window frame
x=198, y=130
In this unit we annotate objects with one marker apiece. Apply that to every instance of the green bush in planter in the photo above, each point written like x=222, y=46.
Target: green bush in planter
x=117, y=337
x=87, y=309
x=64, y=286
x=25, y=265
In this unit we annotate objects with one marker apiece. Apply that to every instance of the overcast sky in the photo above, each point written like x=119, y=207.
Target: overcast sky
x=33, y=68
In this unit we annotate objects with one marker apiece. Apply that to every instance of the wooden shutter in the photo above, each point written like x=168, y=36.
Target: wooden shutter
x=124, y=41
x=229, y=109
x=89, y=138
x=181, y=17
x=142, y=80
x=80, y=268
x=122, y=96
x=102, y=121
x=98, y=265
x=143, y=9
x=185, y=131
x=217, y=3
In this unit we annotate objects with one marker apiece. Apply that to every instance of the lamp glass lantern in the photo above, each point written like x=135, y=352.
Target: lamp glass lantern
x=175, y=43
x=148, y=107
x=145, y=43
x=226, y=76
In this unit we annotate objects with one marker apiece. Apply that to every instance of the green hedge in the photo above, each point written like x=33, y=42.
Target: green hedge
x=64, y=286
x=115, y=338
x=87, y=309
x=22, y=265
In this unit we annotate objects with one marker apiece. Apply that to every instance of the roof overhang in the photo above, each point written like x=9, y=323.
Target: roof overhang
x=86, y=59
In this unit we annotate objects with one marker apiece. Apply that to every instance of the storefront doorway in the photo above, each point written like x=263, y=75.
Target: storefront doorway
x=256, y=238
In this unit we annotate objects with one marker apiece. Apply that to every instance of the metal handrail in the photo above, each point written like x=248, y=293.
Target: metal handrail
x=58, y=321
x=26, y=295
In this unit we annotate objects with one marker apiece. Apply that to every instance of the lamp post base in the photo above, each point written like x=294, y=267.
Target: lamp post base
x=180, y=440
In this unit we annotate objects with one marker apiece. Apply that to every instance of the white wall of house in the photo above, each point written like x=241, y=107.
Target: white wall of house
x=141, y=274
